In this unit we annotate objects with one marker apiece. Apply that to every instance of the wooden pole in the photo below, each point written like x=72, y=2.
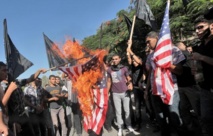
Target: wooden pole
x=132, y=29
x=50, y=69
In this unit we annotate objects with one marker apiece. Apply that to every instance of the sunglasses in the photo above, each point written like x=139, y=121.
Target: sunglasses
x=199, y=27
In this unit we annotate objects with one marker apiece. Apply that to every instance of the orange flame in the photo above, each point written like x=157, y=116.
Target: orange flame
x=86, y=81
x=56, y=49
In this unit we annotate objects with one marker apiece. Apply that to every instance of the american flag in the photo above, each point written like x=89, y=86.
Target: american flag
x=75, y=71
x=162, y=58
x=100, y=95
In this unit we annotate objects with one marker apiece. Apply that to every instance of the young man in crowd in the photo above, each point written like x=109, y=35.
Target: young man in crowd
x=161, y=109
x=74, y=114
x=37, y=97
x=204, y=54
x=189, y=95
x=120, y=82
x=136, y=69
x=16, y=102
x=55, y=105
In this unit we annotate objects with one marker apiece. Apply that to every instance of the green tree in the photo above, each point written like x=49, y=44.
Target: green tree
x=114, y=33
x=45, y=80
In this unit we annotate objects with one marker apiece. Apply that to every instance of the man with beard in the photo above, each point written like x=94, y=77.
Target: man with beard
x=120, y=81
x=56, y=107
x=204, y=54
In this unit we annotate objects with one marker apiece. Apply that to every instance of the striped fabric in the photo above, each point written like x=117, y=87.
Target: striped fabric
x=100, y=96
x=73, y=72
x=162, y=58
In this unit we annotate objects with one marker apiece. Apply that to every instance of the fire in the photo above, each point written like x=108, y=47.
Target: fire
x=73, y=51
x=86, y=82
x=57, y=51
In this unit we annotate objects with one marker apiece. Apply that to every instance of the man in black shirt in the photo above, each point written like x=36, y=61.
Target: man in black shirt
x=17, y=103
x=189, y=95
x=137, y=97
x=204, y=53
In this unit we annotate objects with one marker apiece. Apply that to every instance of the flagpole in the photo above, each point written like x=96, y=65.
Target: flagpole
x=50, y=69
x=132, y=29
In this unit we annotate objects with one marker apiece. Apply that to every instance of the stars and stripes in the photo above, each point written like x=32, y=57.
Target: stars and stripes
x=75, y=71
x=100, y=95
x=72, y=72
x=162, y=58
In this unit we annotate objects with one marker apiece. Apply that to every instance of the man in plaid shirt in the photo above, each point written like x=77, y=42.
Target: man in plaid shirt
x=36, y=95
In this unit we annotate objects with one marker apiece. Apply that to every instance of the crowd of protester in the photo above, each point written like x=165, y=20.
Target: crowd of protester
x=27, y=108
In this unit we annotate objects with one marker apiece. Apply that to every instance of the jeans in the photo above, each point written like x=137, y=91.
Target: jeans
x=118, y=99
x=206, y=101
x=109, y=116
x=45, y=119
x=164, y=112
x=55, y=113
x=136, y=105
x=190, y=99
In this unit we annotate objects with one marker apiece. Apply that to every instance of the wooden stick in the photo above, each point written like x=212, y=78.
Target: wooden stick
x=67, y=63
x=132, y=29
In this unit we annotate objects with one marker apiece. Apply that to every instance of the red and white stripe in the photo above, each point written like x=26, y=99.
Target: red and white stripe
x=162, y=58
x=99, y=112
x=73, y=72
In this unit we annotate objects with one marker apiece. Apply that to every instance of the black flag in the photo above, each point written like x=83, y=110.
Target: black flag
x=54, y=55
x=128, y=23
x=143, y=12
x=129, y=27
x=16, y=63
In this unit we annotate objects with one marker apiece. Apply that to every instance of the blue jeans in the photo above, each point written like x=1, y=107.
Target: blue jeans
x=118, y=99
x=164, y=112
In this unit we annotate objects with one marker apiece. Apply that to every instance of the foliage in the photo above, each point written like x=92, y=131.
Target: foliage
x=45, y=80
x=114, y=34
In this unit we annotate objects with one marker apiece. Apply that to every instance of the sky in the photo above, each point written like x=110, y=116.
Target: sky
x=58, y=19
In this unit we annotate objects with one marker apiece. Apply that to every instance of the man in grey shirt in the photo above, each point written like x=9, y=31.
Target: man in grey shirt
x=55, y=105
